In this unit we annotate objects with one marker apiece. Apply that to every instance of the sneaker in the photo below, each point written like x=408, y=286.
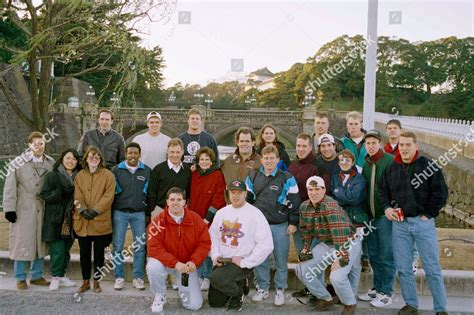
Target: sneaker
x=54, y=285
x=381, y=300
x=322, y=305
x=408, y=310
x=369, y=296
x=66, y=282
x=260, y=295
x=138, y=284
x=119, y=283
x=236, y=302
x=205, y=284
x=108, y=253
x=301, y=293
x=442, y=313
x=279, y=297
x=158, y=303
x=415, y=267
x=246, y=287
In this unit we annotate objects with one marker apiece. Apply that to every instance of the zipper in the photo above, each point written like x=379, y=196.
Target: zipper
x=179, y=231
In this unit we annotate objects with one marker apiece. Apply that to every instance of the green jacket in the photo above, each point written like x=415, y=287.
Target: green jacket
x=358, y=150
x=373, y=204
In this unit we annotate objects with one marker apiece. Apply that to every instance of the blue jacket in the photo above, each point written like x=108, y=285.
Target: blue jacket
x=131, y=189
x=275, y=195
x=351, y=195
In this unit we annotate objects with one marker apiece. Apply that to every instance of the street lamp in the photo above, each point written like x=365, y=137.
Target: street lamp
x=91, y=92
x=172, y=98
x=114, y=99
x=250, y=100
x=199, y=96
x=209, y=101
x=308, y=100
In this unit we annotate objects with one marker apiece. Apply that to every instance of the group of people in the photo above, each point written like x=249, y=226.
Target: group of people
x=211, y=225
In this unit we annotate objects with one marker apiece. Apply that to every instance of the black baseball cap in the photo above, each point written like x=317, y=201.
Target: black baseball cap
x=373, y=133
x=238, y=185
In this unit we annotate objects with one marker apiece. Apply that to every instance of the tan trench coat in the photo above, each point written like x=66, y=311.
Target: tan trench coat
x=20, y=194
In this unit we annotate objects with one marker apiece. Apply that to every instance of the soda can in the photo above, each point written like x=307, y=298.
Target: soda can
x=400, y=214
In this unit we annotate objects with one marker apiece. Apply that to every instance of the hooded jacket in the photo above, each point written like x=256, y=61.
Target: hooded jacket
x=188, y=241
x=284, y=157
x=418, y=187
x=358, y=150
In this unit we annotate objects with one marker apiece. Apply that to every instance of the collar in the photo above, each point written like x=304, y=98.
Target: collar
x=123, y=165
x=262, y=170
x=35, y=159
x=308, y=159
x=104, y=132
x=375, y=158
x=388, y=148
x=187, y=219
x=172, y=166
x=398, y=158
x=351, y=174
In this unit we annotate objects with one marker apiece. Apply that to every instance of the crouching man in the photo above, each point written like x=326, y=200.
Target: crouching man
x=241, y=240
x=178, y=242
x=340, y=249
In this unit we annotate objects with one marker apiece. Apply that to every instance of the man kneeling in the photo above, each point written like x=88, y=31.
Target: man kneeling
x=340, y=248
x=241, y=239
x=178, y=242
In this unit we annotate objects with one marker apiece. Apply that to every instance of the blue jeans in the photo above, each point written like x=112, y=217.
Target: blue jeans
x=381, y=255
x=205, y=269
x=299, y=241
x=422, y=233
x=281, y=242
x=19, y=267
x=345, y=280
x=137, y=223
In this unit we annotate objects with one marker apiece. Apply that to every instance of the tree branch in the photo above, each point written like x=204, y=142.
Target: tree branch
x=14, y=105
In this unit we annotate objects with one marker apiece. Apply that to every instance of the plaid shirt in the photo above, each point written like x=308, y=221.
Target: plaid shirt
x=328, y=222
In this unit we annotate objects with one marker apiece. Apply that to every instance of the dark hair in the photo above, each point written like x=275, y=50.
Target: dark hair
x=176, y=190
x=108, y=111
x=94, y=150
x=394, y=122
x=206, y=150
x=61, y=158
x=133, y=145
x=261, y=142
x=306, y=137
x=246, y=131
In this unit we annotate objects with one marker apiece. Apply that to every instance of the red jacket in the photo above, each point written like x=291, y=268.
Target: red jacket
x=388, y=148
x=207, y=193
x=188, y=241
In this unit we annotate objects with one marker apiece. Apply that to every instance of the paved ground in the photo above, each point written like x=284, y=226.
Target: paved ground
x=39, y=300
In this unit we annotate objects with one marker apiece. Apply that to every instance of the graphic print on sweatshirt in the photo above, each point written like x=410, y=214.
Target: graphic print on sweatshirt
x=231, y=231
x=192, y=149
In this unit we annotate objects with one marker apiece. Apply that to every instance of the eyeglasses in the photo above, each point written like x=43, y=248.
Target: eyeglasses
x=94, y=157
x=345, y=160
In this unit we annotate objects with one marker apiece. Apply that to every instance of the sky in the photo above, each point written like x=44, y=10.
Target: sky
x=200, y=38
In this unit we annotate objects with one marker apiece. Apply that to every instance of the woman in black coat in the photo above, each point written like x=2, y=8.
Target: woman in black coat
x=268, y=135
x=58, y=194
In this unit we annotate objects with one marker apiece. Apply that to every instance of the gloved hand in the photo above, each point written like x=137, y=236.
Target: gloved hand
x=85, y=213
x=93, y=213
x=11, y=216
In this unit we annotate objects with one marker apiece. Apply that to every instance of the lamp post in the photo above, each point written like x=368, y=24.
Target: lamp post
x=172, y=98
x=199, y=96
x=308, y=100
x=114, y=99
x=209, y=101
x=250, y=100
x=90, y=93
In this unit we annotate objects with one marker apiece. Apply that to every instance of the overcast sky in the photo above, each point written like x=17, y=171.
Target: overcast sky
x=201, y=37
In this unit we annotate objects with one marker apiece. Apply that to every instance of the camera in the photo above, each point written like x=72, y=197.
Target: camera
x=184, y=279
x=305, y=256
x=224, y=261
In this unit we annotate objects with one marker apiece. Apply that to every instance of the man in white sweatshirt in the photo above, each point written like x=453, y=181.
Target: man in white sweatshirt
x=241, y=240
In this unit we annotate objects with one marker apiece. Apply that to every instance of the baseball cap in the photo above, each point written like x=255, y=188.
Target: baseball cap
x=373, y=133
x=153, y=114
x=237, y=185
x=319, y=181
x=326, y=138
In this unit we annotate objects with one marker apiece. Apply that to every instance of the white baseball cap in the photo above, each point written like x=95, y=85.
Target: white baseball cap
x=326, y=138
x=153, y=114
x=319, y=181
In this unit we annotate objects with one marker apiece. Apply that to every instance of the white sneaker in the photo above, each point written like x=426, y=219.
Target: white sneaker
x=54, y=285
x=108, y=253
x=66, y=282
x=119, y=283
x=279, y=297
x=260, y=295
x=382, y=300
x=415, y=267
x=138, y=284
x=158, y=303
x=205, y=284
x=369, y=296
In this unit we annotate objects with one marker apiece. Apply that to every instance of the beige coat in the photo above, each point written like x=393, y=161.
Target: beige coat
x=94, y=191
x=20, y=195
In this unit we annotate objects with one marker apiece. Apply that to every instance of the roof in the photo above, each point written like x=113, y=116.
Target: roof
x=264, y=72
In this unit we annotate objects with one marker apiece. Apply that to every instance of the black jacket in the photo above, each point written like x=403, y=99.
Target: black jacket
x=58, y=194
x=111, y=145
x=131, y=189
x=416, y=187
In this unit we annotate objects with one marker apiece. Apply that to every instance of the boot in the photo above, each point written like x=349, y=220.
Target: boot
x=97, y=288
x=86, y=285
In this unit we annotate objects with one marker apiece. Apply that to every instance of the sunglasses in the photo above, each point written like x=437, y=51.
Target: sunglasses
x=345, y=160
